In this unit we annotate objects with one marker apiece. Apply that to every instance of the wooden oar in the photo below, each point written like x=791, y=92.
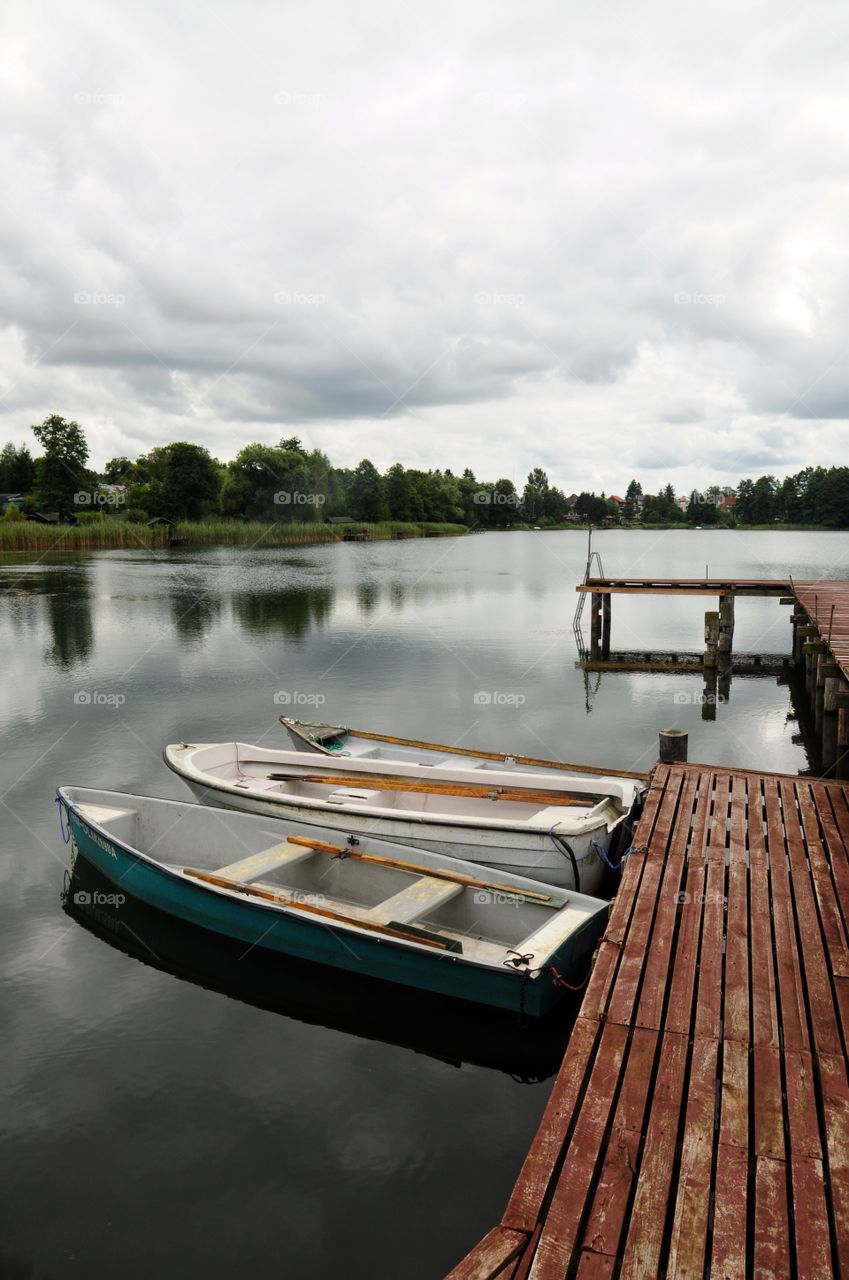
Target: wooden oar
x=427, y=940
x=492, y=755
x=483, y=792
x=438, y=873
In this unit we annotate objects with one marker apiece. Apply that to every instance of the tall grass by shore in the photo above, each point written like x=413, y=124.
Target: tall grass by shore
x=106, y=534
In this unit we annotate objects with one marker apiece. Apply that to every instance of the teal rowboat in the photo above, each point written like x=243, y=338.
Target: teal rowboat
x=407, y=916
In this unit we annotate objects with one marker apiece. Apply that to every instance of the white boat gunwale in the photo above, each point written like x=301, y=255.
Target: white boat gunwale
x=298, y=730
x=187, y=768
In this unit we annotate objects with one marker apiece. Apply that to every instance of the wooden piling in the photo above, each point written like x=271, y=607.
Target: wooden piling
x=595, y=627
x=673, y=745
x=833, y=682
x=726, y=623
x=711, y=637
x=605, y=625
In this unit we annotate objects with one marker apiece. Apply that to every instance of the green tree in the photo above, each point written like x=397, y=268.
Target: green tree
x=17, y=469
x=535, y=495
x=702, y=510
x=763, y=500
x=264, y=483
x=591, y=508
x=366, y=493
x=399, y=493
x=63, y=471
x=632, y=494
x=192, y=482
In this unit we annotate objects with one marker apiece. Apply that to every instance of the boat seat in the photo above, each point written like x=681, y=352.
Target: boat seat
x=271, y=859
x=103, y=814
x=358, y=795
x=554, y=814
x=423, y=895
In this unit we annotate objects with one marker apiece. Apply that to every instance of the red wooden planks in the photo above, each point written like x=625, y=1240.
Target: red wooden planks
x=692, y=1204
x=525, y=1203
x=700, y=1122
x=603, y=1228
x=495, y=1256
x=563, y=1217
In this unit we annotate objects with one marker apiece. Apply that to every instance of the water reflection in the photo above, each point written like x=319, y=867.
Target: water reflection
x=67, y=601
x=368, y=597
x=194, y=614
x=291, y=612
x=455, y=1033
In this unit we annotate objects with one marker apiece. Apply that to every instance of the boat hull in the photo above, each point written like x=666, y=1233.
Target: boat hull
x=534, y=854
x=285, y=931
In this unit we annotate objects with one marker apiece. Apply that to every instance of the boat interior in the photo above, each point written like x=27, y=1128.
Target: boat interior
x=409, y=893
x=295, y=776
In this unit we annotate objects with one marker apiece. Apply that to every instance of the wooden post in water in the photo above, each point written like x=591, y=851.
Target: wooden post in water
x=605, y=625
x=832, y=684
x=672, y=746
x=595, y=625
x=711, y=637
x=726, y=623
x=843, y=732
x=812, y=649
x=799, y=621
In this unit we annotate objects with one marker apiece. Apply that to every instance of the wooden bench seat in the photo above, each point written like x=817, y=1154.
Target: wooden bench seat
x=423, y=895
x=271, y=859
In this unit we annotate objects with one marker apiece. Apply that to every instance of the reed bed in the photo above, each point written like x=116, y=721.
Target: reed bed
x=25, y=535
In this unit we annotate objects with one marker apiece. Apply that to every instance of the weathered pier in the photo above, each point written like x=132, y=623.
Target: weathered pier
x=699, y=1124
x=820, y=647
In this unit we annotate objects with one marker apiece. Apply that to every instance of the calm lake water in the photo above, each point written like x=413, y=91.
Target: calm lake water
x=169, y=1108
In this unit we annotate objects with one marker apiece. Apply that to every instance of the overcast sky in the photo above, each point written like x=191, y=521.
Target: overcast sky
x=609, y=239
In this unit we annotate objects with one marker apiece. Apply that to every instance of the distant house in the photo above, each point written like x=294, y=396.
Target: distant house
x=614, y=497
x=682, y=502
x=8, y=500
x=727, y=501
x=572, y=500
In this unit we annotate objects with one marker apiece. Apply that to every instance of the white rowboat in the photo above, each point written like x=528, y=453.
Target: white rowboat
x=548, y=826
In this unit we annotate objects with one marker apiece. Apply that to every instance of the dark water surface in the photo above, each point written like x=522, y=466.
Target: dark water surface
x=151, y=1123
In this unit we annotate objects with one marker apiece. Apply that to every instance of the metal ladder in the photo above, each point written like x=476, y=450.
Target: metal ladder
x=593, y=559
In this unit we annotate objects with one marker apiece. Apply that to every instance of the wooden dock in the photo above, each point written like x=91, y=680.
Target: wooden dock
x=699, y=1125
x=688, y=586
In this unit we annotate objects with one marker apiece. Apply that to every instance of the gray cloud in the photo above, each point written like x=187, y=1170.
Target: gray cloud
x=608, y=240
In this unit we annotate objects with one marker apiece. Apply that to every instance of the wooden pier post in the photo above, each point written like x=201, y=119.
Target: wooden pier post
x=812, y=650
x=832, y=683
x=605, y=625
x=595, y=626
x=798, y=621
x=711, y=637
x=843, y=732
x=726, y=623
x=672, y=745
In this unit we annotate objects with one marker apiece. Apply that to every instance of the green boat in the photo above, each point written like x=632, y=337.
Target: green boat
x=410, y=917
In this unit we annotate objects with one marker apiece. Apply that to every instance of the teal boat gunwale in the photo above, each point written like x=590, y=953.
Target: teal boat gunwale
x=239, y=915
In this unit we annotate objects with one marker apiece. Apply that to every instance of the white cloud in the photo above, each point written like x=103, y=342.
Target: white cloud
x=608, y=240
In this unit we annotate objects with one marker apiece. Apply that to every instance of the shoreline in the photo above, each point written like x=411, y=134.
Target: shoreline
x=20, y=538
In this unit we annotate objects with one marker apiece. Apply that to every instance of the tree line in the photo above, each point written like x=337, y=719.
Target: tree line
x=287, y=481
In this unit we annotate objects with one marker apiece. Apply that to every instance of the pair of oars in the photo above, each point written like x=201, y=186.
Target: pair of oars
x=526, y=795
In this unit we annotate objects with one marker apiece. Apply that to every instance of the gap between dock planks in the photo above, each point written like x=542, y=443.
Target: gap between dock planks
x=699, y=1124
